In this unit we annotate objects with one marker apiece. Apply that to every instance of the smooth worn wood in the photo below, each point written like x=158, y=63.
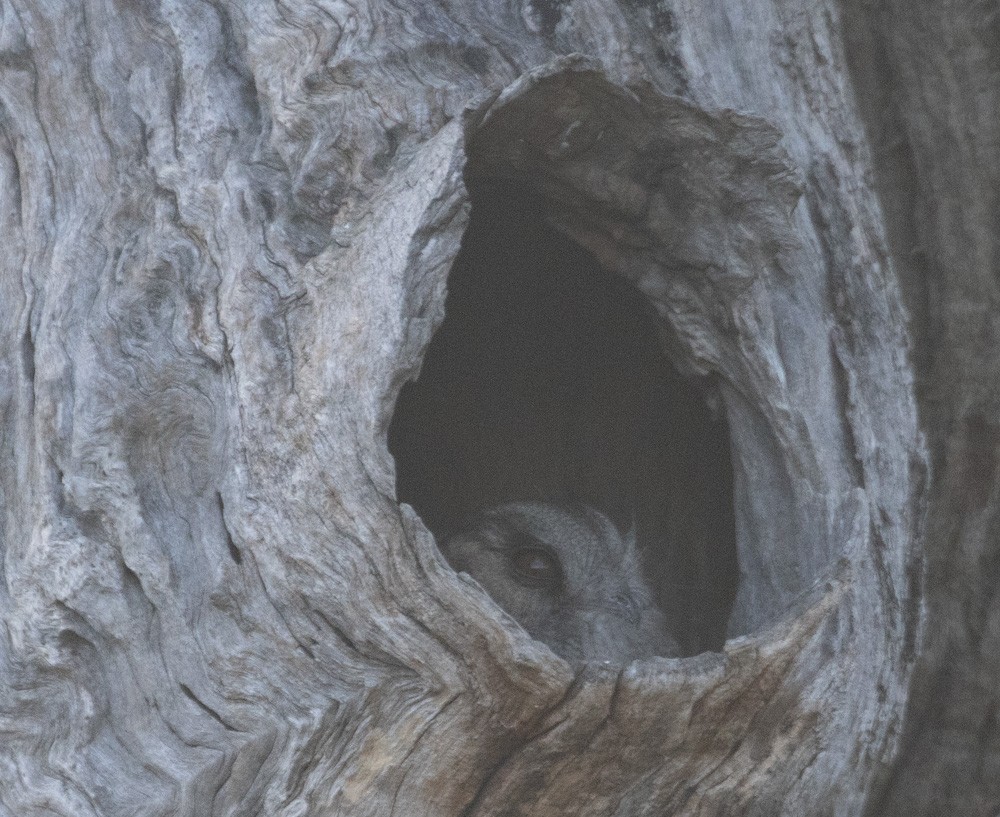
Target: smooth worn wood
x=228, y=229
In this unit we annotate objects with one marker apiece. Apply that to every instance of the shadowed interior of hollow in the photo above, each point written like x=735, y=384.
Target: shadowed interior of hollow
x=547, y=381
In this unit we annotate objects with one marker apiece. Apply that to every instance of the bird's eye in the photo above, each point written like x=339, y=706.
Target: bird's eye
x=536, y=567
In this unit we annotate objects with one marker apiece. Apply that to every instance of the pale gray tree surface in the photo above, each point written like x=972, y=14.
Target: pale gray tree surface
x=228, y=229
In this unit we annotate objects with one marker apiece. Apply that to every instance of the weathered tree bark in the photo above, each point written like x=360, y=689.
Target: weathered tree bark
x=228, y=231
x=928, y=79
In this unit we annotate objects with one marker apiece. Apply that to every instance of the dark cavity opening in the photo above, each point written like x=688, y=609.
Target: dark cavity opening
x=547, y=380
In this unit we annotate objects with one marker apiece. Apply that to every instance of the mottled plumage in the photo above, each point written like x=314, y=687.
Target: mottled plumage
x=568, y=576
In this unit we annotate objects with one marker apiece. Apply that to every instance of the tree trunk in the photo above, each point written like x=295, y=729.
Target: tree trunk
x=230, y=230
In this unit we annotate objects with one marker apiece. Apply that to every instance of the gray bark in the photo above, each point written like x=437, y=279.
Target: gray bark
x=228, y=231
x=928, y=79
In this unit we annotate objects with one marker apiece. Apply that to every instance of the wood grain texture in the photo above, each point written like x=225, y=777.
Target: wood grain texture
x=228, y=228
x=938, y=170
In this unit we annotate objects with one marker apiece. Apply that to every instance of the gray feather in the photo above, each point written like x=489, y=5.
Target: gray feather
x=568, y=576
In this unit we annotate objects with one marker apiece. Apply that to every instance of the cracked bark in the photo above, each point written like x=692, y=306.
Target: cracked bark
x=228, y=229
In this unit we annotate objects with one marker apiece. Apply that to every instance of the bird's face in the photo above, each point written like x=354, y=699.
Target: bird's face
x=569, y=578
